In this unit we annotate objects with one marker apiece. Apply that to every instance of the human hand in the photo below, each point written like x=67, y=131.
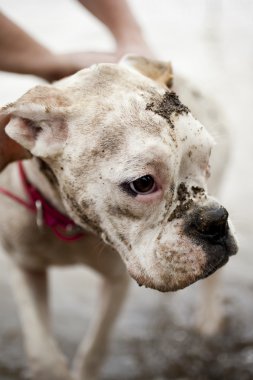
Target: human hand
x=52, y=67
x=58, y=66
x=138, y=47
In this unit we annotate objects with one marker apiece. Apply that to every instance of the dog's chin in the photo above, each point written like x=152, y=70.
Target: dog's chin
x=163, y=286
x=165, y=282
x=180, y=283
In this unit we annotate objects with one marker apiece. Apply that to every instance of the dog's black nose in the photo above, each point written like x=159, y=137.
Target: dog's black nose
x=211, y=223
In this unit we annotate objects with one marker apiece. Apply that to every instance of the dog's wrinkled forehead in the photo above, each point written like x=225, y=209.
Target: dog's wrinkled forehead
x=109, y=88
x=118, y=104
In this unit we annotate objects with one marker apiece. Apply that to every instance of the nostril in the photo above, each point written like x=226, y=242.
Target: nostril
x=212, y=222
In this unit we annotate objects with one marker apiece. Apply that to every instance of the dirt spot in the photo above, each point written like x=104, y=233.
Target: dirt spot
x=180, y=210
x=182, y=192
x=185, y=203
x=197, y=191
x=170, y=105
x=185, y=198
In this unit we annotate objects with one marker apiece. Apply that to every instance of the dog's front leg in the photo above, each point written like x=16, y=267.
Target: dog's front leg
x=92, y=350
x=210, y=317
x=46, y=361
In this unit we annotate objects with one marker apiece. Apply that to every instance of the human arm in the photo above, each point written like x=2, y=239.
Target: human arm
x=116, y=15
x=21, y=53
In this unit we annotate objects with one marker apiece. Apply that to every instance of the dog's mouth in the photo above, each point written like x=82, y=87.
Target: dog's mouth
x=175, y=264
x=212, y=268
x=219, y=254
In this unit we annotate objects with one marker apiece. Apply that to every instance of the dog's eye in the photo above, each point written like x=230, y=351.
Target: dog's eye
x=143, y=185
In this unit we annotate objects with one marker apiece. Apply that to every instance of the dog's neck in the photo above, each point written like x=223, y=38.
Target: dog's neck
x=42, y=177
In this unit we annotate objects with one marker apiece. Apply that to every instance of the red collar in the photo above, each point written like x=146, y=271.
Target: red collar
x=61, y=225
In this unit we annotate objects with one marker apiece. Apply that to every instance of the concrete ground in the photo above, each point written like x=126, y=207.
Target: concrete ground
x=209, y=41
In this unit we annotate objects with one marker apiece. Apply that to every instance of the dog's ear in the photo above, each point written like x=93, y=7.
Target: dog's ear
x=156, y=70
x=36, y=120
x=10, y=150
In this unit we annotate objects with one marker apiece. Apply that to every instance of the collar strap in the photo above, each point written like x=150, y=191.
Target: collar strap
x=46, y=214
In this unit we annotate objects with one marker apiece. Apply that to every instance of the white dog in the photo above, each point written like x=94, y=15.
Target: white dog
x=120, y=164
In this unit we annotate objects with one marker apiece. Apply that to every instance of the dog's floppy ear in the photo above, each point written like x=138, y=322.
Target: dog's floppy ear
x=36, y=120
x=157, y=70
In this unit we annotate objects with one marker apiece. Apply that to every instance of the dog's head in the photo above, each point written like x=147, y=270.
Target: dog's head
x=131, y=164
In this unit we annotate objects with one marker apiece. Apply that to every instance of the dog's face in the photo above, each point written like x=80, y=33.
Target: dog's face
x=131, y=164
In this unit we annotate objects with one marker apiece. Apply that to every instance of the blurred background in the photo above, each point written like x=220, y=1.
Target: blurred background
x=211, y=43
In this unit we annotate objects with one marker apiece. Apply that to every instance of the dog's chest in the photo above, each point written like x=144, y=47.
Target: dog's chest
x=34, y=247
